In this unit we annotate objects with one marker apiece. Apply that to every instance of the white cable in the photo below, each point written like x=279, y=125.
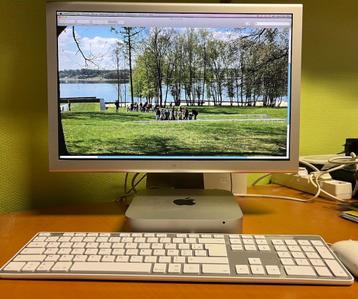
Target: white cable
x=260, y=178
x=277, y=197
x=314, y=178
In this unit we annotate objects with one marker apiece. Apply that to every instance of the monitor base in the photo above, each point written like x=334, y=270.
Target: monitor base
x=184, y=210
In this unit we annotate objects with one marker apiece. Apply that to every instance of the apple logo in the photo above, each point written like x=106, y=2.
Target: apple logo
x=184, y=201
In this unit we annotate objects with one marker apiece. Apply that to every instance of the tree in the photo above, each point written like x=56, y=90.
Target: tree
x=128, y=34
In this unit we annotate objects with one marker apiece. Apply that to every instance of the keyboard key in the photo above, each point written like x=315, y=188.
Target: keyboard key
x=280, y=248
x=293, y=248
x=91, y=251
x=257, y=269
x=135, y=259
x=30, y=258
x=34, y=250
x=95, y=258
x=300, y=270
x=151, y=259
x=207, y=260
x=250, y=247
x=62, y=266
x=215, y=269
x=144, y=252
x=78, y=251
x=216, y=249
x=336, y=268
x=186, y=252
x=174, y=268
x=197, y=253
x=197, y=246
x=14, y=266
x=171, y=246
x=264, y=247
x=317, y=243
x=287, y=261
x=164, y=259
x=178, y=259
x=64, y=251
x=290, y=242
x=66, y=258
x=312, y=255
x=242, y=269
x=307, y=248
x=248, y=241
x=45, y=267
x=277, y=242
x=30, y=267
x=123, y=258
x=111, y=267
x=302, y=262
x=238, y=241
x=159, y=268
x=303, y=242
x=317, y=262
x=324, y=252
x=37, y=244
x=52, y=258
x=273, y=270
x=298, y=254
x=323, y=271
x=80, y=258
x=191, y=268
x=261, y=242
x=109, y=258
x=211, y=241
x=143, y=245
x=284, y=254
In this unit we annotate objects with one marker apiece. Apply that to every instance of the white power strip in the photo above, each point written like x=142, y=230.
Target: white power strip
x=300, y=181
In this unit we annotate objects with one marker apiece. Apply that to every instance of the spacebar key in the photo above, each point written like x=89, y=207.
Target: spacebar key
x=105, y=267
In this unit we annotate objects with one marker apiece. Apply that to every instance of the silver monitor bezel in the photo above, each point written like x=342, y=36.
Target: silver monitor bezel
x=57, y=164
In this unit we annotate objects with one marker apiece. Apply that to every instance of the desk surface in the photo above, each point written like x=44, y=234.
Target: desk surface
x=261, y=216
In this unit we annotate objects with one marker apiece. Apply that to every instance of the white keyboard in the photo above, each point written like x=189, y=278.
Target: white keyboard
x=288, y=259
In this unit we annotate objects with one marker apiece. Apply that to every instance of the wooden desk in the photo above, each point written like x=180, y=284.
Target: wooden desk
x=262, y=216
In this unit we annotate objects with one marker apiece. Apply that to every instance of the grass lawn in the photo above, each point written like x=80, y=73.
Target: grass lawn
x=218, y=131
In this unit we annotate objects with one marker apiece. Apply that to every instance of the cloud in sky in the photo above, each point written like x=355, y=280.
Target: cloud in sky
x=99, y=49
x=97, y=44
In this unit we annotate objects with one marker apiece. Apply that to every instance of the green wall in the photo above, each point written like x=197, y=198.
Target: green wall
x=328, y=115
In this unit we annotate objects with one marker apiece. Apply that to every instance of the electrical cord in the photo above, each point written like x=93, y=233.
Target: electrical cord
x=123, y=197
x=260, y=178
x=314, y=178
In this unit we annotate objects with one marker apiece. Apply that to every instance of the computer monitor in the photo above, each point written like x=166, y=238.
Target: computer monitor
x=148, y=87
x=174, y=88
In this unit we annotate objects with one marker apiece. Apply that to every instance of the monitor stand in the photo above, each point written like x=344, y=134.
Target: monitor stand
x=179, y=203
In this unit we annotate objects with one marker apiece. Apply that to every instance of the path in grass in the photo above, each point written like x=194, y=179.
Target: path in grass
x=213, y=120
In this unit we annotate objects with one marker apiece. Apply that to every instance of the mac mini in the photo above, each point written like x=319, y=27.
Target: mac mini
x=184, y=210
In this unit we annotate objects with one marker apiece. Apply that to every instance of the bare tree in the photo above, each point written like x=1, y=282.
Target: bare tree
x=128, y=34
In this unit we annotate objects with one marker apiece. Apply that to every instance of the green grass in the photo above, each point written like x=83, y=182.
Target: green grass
x=134, y=133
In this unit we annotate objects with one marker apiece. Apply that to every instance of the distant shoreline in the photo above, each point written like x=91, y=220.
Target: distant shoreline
x=90, y=80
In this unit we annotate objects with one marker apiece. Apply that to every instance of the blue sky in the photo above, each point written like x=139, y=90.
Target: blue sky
x=99, y=42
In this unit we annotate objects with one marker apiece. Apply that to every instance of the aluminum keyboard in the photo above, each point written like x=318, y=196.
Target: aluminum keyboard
x=284, y=259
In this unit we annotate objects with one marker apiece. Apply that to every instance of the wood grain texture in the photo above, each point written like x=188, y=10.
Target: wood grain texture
x=261, y=216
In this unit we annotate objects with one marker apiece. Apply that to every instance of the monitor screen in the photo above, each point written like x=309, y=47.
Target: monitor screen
x=202, y=85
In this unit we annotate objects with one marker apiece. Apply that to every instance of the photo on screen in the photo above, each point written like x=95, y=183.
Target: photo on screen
x=175, y=90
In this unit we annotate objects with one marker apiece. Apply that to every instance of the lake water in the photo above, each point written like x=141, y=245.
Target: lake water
x=106, y=91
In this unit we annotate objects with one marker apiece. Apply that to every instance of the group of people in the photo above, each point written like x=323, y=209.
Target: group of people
x=135, y=107
x=170, y=112
x=175, y=113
